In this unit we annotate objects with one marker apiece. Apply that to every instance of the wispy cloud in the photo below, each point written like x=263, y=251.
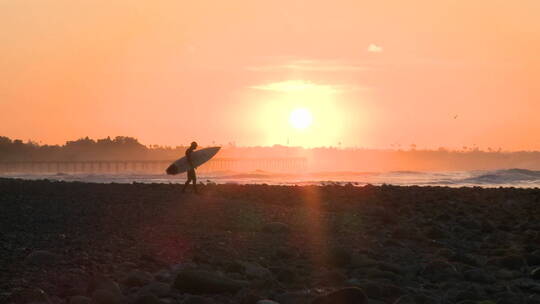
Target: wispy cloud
x=373, y=48
x=304, y=86
x=311, y=65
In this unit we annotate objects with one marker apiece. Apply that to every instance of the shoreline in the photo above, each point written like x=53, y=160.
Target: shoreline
x=291, y=244
x=508, y=178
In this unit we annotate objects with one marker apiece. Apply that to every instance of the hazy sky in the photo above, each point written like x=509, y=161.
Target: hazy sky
x=370, y=73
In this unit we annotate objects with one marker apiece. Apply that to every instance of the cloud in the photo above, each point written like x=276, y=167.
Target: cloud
x=311, y=66
x=303, y=86
x=373, y=48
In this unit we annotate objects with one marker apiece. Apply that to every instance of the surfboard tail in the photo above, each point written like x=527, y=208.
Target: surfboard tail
x=172, y=169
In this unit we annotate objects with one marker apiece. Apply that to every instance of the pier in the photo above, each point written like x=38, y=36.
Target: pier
x=292, y=164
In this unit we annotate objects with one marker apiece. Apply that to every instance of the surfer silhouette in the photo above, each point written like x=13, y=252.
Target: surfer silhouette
x=191, y=176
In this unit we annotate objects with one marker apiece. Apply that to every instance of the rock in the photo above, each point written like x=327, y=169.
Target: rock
x=479, y=276
x=372, y=290
x=391, y=291
x=405, y=300
x=247, y=296
x=374, y=273
x=267, y=302
x=80, y=300
x=467, y=259
x=29, y=295
x=197, y=300
x=508, y=298
x=535, y=274
x=436, y=233
x=532, y=259
x=512, y=262
x=339, y=257
x=465, y=293
x=390, y=267
x=284, y=253
x=202, y=282
x=70, y=285
x=487, y=226
x=103, y=296
x=137, y=278
x=297, y=297
x=286, y=275
x=276, y=227
x=504, y=274
x=254, y=270
x=234, y=267
x=360, y=260
x=163, y=276
x=332, y=277
x=42, y=258
x=350, y=295
x=158, y=288
x=103, y=283
x=439, y=271
x=380, y=291
x=146, y=299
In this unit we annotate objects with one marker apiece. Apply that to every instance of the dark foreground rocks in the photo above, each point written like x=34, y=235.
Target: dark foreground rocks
x=79, y=243
x=206, y=282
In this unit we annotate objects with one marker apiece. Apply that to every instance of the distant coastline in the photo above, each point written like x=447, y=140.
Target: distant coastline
x=319, y=159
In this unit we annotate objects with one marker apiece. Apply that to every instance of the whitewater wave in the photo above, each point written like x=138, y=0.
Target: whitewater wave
x=508, y=176
x=495, y=178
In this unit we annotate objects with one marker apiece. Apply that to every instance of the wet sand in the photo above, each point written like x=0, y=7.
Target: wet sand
x=149, y=243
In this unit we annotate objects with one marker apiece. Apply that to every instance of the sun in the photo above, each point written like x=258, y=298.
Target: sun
x=300, y=118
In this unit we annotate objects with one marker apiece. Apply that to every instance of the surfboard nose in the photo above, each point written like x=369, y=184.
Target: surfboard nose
x=172, y=169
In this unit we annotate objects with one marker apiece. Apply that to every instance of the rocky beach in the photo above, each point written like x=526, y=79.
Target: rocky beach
x=86, y=243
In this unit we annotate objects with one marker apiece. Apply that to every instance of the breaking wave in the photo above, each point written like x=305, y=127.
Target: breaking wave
x=508, y=176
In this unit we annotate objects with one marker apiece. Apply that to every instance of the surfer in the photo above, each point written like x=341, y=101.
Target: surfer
x=191, y=176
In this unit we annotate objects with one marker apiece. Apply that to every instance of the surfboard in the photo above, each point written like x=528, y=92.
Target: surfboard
x=198, y=157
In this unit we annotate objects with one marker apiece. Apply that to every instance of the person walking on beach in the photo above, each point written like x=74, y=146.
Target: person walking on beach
x=191, y=172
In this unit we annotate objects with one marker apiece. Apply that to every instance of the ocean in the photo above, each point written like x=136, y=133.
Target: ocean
x=496, y=178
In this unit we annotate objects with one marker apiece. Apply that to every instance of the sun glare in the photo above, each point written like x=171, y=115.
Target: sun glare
x=300, y=118
x=300, y=113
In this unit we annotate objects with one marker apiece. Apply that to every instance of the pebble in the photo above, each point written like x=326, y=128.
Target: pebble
x=103, y=283
x=160, y=289
x=535, y=274
x=295, y=297
x=42, y=258
x=103, y=296
x=439, y=271
x=339, y=257
x=511, y=262
x=146, y=299
x=350, y=295
x=255, y=270
x=197, y=300
x=267, y=302
x=203, y=282
x=479, y=276
x=276, y=227
x=137, y=278
x=29, y=295
x=80, y=300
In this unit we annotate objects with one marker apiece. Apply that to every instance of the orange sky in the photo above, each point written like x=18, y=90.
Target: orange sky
x=371, y=73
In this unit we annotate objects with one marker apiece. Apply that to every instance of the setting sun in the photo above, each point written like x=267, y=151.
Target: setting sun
x=301, y=118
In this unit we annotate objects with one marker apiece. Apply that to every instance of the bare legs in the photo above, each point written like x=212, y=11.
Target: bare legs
x=191, y=177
